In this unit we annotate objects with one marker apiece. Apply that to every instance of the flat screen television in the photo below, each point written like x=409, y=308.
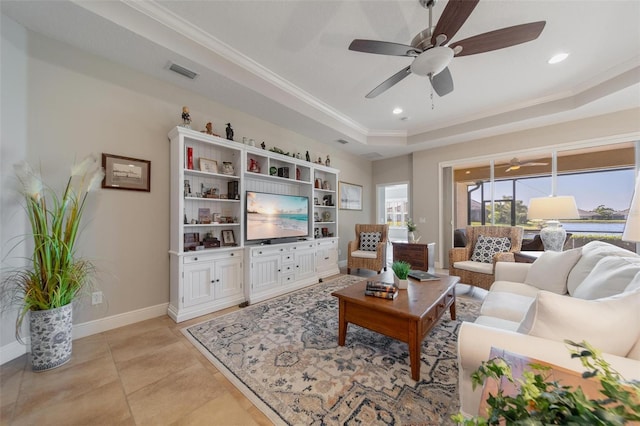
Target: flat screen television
x=273, y=216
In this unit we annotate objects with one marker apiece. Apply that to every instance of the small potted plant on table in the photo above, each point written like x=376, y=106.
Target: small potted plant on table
x=400, y=274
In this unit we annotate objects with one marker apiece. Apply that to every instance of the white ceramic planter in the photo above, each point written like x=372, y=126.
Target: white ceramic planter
x=51, y=337
x=401, y=284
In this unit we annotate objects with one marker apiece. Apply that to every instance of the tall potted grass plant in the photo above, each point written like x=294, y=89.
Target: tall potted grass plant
x=55, y=275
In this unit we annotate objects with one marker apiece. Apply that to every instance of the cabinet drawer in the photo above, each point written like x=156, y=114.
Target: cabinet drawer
x=288, y=278
x=207, y=257
x=268, y=251
x=287, y=258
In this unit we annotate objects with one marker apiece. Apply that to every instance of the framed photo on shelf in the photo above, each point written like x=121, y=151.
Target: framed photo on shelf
x=207, y=165
x=204, y=215
x=126, y=173
x=350, y=196
x=228, y=238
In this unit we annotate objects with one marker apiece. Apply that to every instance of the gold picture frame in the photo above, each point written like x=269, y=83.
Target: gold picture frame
x=349, y=196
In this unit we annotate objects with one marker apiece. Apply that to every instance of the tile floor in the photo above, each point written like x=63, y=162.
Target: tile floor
x=142, y=374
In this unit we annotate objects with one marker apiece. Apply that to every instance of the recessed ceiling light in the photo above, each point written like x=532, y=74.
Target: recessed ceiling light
x=558, y=58
x=397, y=110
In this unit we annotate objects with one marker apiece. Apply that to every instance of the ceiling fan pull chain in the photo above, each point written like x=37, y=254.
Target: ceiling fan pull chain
x=431, y=85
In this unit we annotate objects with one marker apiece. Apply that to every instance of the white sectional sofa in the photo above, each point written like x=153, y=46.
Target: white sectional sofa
x=591, y=293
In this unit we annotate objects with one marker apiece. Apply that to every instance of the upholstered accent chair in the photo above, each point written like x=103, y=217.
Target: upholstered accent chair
x=479, y=270
x=369, y=249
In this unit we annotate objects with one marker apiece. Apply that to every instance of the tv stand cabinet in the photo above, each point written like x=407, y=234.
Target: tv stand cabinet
x=209, y=180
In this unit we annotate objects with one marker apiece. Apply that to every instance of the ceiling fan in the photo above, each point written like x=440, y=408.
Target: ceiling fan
x=429, y=47
x=515, y=164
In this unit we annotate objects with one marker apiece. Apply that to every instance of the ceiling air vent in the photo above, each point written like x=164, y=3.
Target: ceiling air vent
x=182, y=71
x=342, y=141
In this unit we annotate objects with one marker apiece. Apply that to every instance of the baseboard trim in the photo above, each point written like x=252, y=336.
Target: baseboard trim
x=15, y=349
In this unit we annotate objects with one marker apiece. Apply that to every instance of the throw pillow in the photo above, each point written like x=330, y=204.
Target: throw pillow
x=486, y=247
x=611, y=324
x=550, y=271
x=369, y=240
x=610, y=276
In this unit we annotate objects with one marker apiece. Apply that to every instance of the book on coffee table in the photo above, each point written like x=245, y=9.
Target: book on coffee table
x=422, y=276
x=381, y=294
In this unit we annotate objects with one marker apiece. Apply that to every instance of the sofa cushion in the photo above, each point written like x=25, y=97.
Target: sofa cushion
x=550, y=271
x=611, y=324
x=508, y=306
x=634, y=284
x=369, y=240
x=516, y=288
x=611, y=275
x=486, y=247
x=497, y=323
x=591, y=254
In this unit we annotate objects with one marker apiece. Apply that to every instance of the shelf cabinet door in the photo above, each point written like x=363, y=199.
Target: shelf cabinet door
x=198, y=284
x=305, y=261
x=265, y=272
x=228, y=277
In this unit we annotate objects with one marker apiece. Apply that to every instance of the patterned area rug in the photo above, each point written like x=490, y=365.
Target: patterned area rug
x=284, y=356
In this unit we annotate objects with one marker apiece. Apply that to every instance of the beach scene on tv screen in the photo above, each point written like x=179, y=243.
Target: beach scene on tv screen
x=276, y=216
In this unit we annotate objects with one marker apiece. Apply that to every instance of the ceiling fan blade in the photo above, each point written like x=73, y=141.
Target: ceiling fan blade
x=499, y=39
x=534, y=164
x=383, y=48
x=442, y=82
x=388, y=83
x=455, y=13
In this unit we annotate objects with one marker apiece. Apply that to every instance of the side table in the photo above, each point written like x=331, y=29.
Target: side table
x=420, y=256
x=526, y=256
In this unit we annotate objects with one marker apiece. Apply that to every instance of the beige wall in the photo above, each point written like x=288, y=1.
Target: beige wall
x=72, y=104
x=426, y=197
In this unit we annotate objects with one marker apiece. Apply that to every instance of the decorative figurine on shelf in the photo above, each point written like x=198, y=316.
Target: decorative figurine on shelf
x=186, y=118
x=187, y=188
x=209, y=129
x=229, y=132
x=327, y=162
x=319, y=160
x=263, y=145
x=298, y=156
x=308, y=156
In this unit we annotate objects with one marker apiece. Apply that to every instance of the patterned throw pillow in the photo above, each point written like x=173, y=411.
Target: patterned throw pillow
x=486, y=247
x=369, y=240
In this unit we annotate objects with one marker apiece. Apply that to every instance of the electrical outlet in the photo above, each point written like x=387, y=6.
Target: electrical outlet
x=96, y=298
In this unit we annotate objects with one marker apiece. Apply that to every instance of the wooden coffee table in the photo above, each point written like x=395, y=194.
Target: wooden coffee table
x=407, y=318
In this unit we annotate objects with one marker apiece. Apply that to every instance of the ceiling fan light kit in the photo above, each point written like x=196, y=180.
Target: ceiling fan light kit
x=432, y=61
x=431, y=56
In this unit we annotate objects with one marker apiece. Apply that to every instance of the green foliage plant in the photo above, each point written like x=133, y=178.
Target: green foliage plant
x=55, y=274
x=411, y=226
x=401, y=269
x=541, y=402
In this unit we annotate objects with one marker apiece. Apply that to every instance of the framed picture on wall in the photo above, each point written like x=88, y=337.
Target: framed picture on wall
x=126, y=173
x=350, y=196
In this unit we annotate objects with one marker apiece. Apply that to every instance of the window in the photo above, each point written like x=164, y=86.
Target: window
x=600, y=178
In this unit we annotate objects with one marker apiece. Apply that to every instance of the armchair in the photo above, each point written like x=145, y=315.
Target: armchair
x=363, y=252
x=477, y=273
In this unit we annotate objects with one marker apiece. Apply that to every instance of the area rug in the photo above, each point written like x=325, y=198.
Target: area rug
x=284, y=356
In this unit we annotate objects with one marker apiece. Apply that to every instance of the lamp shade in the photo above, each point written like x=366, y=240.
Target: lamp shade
x=561, y=207
x=632, y=226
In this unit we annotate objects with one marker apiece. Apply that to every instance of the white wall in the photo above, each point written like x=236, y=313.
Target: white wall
x=66, y=104
x=13, y=136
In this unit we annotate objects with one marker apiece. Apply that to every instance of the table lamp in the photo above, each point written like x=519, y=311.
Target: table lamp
x=552, y=209
x=632, y=226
